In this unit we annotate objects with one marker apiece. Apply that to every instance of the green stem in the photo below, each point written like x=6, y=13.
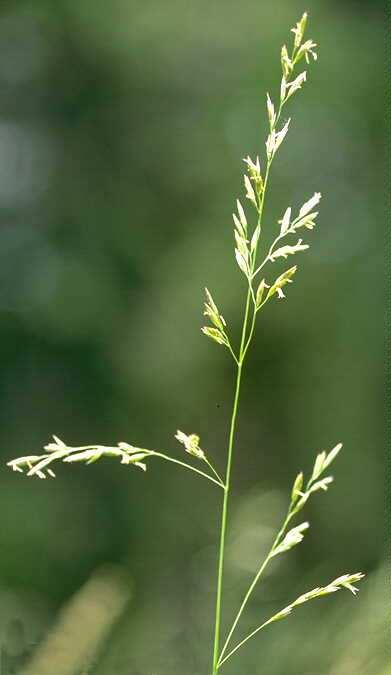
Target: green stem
x=235, y=358
x=214, y=471
x=251, y=333
x=186, y=466
x=235, y=649
x=254, y=583
x=244, y=345
x=227, y=491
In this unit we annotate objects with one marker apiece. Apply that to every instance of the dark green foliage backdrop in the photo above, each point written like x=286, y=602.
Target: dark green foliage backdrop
x=122, y=129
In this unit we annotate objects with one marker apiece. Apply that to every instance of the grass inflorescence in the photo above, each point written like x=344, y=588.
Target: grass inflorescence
x=261, y=289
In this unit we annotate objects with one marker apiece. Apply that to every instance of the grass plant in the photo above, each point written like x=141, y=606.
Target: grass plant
x=262, y=286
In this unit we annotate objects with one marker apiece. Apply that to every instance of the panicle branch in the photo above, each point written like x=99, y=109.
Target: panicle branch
x=287, y=539
x=40, y=465
x=346, y=581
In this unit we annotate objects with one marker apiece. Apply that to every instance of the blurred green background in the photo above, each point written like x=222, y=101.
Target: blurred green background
x=123, y=126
